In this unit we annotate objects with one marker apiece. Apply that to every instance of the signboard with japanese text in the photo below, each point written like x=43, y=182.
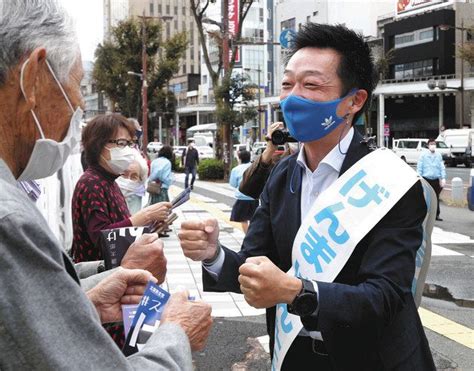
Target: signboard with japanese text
x=233, y=13
x=409, y=5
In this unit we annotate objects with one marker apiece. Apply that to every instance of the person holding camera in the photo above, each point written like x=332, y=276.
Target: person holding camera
x=330, y=252
x=256, y=175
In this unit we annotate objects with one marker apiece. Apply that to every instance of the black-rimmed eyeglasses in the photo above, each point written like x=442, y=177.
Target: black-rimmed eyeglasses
x=122, y=143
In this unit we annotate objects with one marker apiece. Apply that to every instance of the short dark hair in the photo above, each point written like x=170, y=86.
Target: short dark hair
x=166, y=151
x=431, y=140
x=99, y=131
x=244, y=156
x=356, y=68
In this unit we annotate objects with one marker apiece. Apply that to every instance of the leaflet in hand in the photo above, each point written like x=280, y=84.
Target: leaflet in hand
x=147, y=318
x=181, y=198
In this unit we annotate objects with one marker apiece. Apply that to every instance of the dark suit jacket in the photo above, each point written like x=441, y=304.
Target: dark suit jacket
x=367, y=316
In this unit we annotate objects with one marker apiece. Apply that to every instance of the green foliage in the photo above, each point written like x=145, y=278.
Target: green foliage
x=124, y=53
x=177, y=167
x=211, y=169
x=233, y=90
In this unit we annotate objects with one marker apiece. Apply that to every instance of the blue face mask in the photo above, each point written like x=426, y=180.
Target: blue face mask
x=308, y=120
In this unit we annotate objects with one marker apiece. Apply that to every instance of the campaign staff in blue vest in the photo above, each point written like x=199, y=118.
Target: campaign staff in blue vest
x=330, y=252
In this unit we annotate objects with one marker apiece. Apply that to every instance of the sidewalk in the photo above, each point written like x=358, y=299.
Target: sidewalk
x=185, y=273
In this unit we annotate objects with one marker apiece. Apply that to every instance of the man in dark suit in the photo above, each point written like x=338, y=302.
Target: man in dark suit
x=366, y=318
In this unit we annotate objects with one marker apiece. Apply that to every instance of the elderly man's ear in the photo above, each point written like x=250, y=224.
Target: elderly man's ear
x=33, y=67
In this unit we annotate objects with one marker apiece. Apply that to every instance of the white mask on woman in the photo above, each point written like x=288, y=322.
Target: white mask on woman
x=120, y=159
x=432, y=147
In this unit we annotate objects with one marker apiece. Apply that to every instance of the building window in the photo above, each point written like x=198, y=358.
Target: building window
x=175, y=10
x=192, y=67
x=414, y=69
x=167, y=9
x=424, y=35
x=204, y=79
x=184, y=10
x=288, y=24
x=152, y=9
x=159, y=9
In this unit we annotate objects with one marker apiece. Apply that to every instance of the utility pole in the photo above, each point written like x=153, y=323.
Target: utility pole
x=144, y=86
x=259, y=106
x=227, y=133
x=462, y=74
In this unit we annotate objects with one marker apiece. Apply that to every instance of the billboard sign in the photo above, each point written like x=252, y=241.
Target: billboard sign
x=404, y=6
x=233, y=14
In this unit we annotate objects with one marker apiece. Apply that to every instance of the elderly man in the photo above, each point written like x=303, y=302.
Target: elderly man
x=331, y=250
x=46, y=319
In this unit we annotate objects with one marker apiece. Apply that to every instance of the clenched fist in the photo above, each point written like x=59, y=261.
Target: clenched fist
x=199, y=239
x=265, y=285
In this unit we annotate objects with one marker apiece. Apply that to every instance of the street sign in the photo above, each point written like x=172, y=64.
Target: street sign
x=286, y=38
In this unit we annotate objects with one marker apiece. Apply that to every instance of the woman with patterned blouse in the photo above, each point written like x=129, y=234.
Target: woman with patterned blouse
x=97, y=202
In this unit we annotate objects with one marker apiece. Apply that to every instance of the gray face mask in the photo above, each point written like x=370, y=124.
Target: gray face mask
x=49, y=156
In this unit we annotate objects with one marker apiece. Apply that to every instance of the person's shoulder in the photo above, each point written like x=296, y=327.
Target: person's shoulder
x=12, y=199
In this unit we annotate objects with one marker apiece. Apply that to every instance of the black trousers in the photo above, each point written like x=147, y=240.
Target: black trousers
x=437, y=188
x=306, y=354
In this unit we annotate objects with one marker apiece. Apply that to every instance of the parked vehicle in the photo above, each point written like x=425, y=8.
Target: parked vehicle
x=461, y=144
x=410, y=149
x=240, y=147
x=206, y=131
x=152, y=149
x=178, y=151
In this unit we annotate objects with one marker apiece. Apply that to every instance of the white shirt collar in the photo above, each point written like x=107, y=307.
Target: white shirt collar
x=334, y=158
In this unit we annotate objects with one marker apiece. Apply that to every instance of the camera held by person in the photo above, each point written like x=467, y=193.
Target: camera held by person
x=281, y=137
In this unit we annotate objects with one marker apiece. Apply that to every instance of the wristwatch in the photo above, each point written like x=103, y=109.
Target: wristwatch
x=306, y=302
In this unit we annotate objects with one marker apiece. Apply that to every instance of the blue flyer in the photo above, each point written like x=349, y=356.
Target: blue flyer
x=146, y=319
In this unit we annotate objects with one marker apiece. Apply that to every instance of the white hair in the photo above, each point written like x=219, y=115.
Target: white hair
x=29, y=24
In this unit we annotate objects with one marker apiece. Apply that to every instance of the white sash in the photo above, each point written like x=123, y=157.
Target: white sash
x=341, y=216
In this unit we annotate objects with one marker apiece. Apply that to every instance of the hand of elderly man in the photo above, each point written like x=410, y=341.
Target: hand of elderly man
x=199, y=239
x=265, y=285
x=193, y=316
x=124, y=286
x=150, y=214
x=147, y=253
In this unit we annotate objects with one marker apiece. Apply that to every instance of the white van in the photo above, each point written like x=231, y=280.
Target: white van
x=410, y=149
x=461, y=144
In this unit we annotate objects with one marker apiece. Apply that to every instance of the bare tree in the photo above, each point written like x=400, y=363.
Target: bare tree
x=219, y=74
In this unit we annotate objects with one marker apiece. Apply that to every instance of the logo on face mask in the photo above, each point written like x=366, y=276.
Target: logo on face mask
x=308, y=120
x=49, y=156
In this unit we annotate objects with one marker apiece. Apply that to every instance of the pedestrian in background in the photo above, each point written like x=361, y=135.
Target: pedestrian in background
x=161, y=172
x=244, y=206
x=431, y=167
x=190, y=161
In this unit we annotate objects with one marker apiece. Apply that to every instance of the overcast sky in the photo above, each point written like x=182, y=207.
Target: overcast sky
x=89, y=24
